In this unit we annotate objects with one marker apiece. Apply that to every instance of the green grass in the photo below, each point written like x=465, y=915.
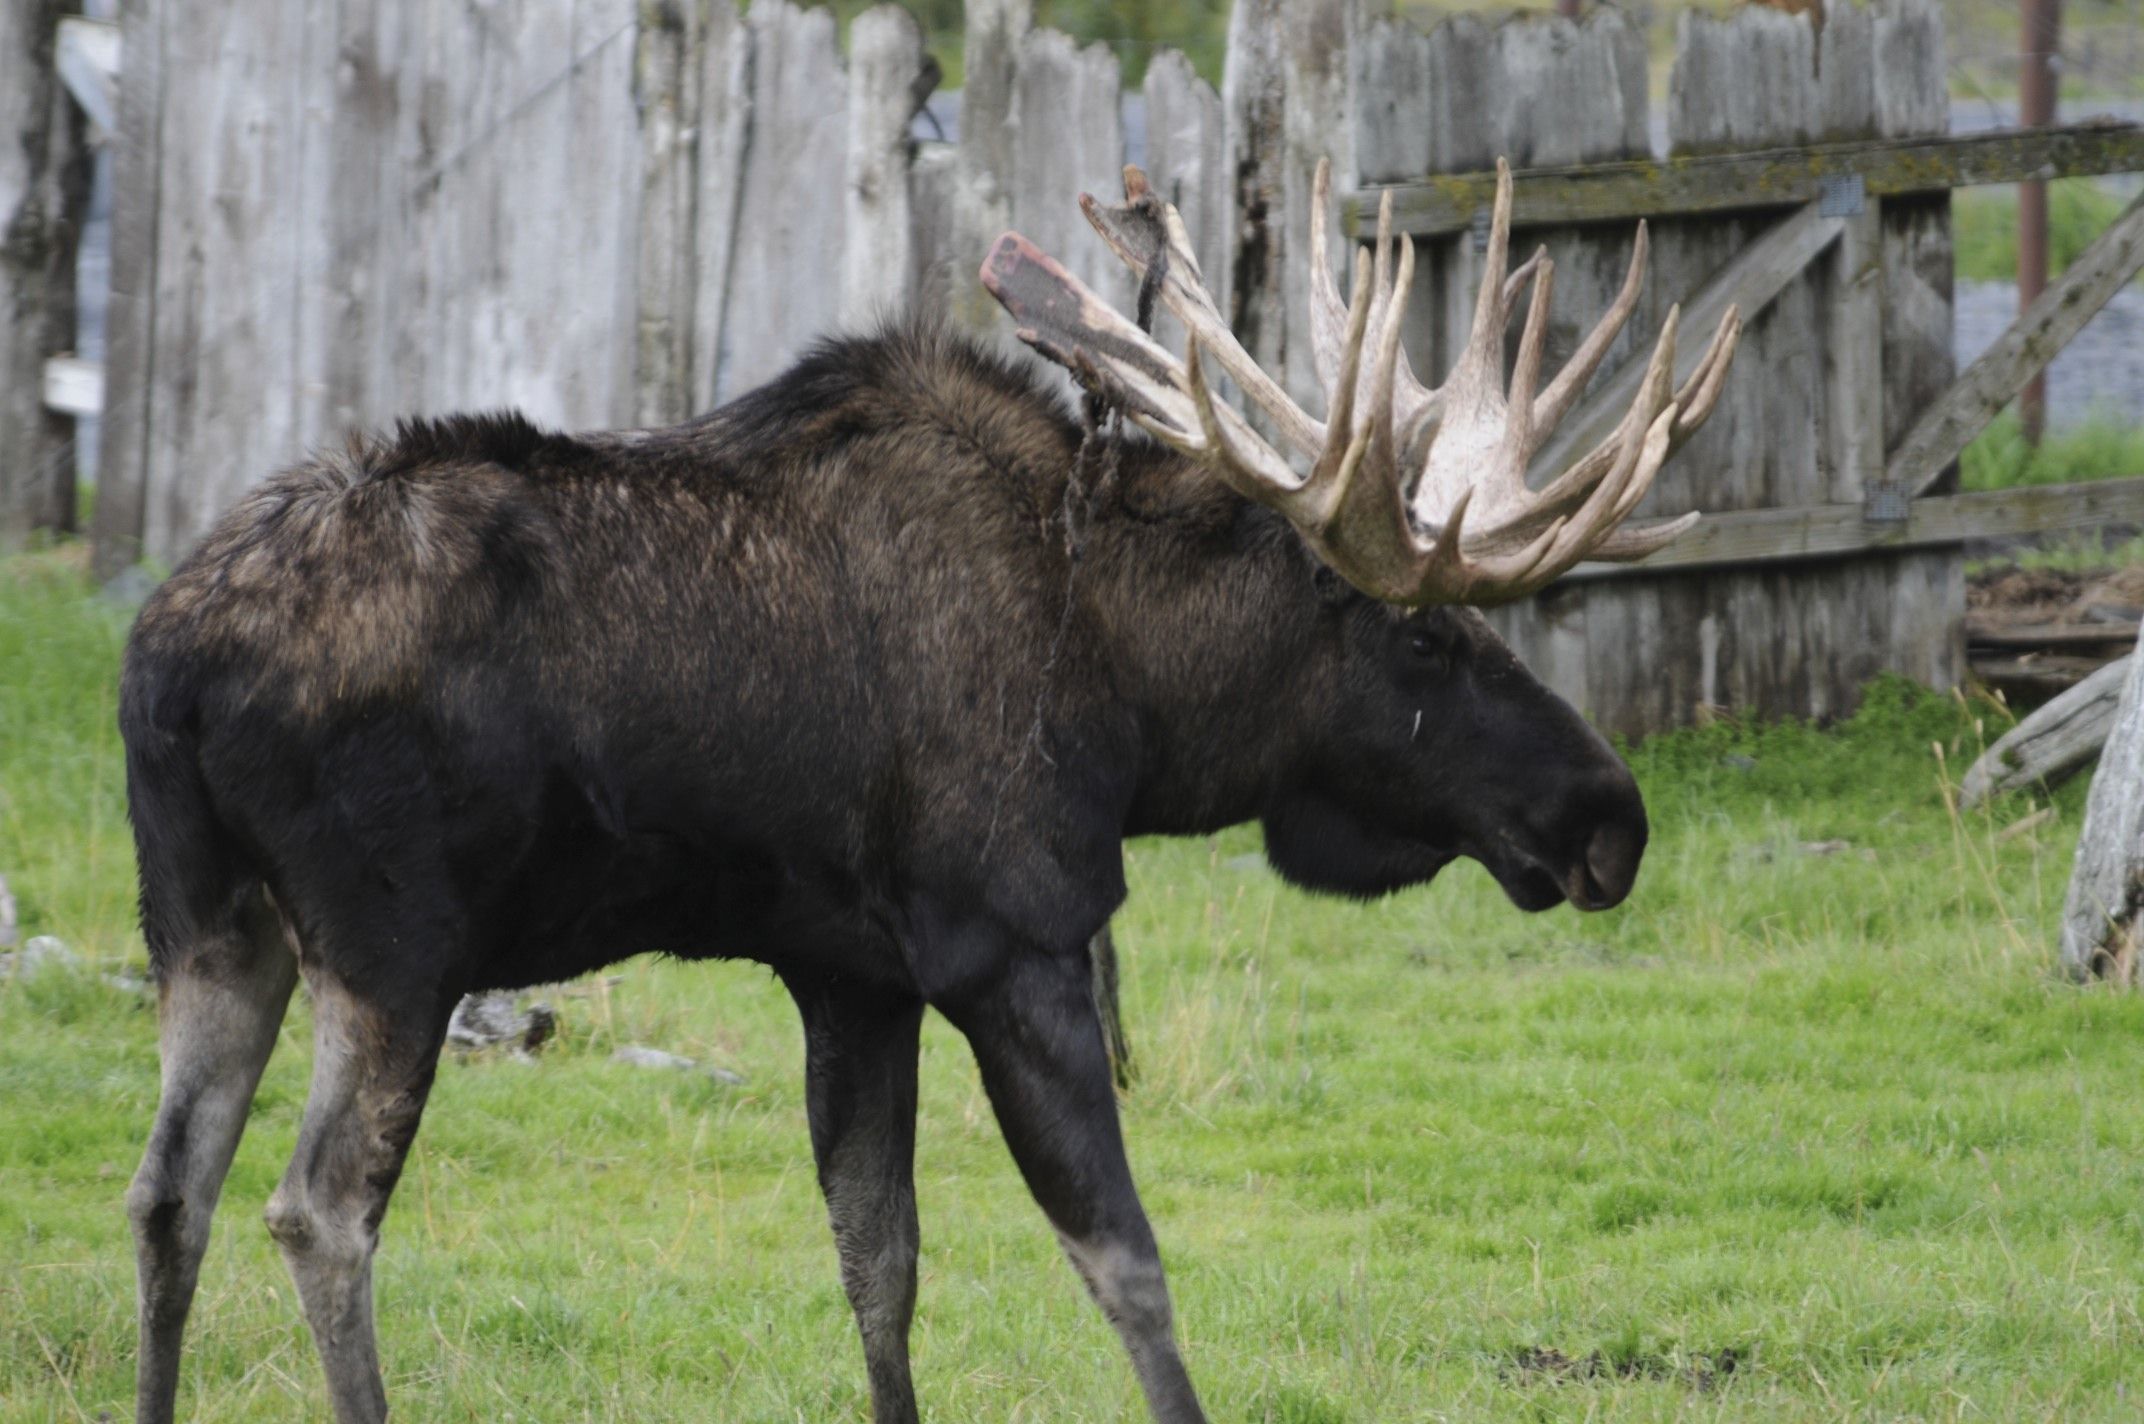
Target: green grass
x=1984, y=227
x=2001, y=458
x=1790, y=1136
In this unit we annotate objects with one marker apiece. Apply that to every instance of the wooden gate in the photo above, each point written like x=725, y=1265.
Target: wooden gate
x=1825, y=204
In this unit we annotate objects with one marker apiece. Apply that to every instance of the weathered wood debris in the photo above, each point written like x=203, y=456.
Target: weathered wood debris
x=2103, y=920
x=2055, y=741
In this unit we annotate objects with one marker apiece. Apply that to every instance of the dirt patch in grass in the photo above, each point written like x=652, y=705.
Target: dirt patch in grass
x=1704, y=1371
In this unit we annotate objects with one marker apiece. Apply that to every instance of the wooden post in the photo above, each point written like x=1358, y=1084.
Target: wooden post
x=2103, y=920
x=666, y=91
x=43, y=190
x=122, y=446
x=890, y=75
x=2042, y=28
x=982, y=182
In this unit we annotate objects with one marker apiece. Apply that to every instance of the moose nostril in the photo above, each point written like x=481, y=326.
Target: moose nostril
x=1612, y=856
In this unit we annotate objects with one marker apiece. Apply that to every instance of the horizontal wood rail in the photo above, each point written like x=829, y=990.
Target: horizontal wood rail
x=1767, y=178
x=1822, y=531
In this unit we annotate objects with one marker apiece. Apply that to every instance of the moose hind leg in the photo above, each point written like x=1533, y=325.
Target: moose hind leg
x=860, y=1075
x=373, y=1062
x=1038, y=1040
x=220, y=1000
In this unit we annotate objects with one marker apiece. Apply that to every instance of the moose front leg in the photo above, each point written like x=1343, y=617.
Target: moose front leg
x=860, y=1086
x=1038, y=1040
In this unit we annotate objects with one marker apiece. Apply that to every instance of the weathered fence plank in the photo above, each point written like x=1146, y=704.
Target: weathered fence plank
x=889, y=77
x=1068, y=139
x=1695, y=185
x=1819, y=531
x=980, y=180
x=43, y=192
x=1853, y=358
x=722, y=80
x=1286, y=96
x=667, y=94
x=129, y=314
x=226, y=280
x=1187, y=162
x=786, y=265
x=2103, y=918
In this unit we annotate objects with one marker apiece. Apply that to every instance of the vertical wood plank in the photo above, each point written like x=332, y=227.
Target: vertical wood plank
x=1853, y=358
x=1286, y=97
x=1186, y=153
x=935, y=246
x=982, y=179
x=786, y=263
x=226, y=274
x=344, y=96
x=1068, y=139
x=122, y=471
x=889, y=77
x=1392, y=104
x=666, y=94
x=722, y=79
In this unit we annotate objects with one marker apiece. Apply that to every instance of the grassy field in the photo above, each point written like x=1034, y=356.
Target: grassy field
x=1806, y=1131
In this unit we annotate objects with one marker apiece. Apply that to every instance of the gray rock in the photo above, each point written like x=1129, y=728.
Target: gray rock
x=495, y=1020
x=641, y=1056
x=43, y=952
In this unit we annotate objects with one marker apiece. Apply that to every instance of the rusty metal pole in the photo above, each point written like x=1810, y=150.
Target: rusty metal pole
x=1569, y=8
x=2037, y=42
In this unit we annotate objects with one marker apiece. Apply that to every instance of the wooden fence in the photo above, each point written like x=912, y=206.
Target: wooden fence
x=617, y=211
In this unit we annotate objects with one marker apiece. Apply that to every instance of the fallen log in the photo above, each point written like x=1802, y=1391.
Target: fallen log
x=2052, y=742
x=2103, y=920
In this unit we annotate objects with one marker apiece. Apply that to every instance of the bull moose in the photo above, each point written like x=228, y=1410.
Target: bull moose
x=866, y=676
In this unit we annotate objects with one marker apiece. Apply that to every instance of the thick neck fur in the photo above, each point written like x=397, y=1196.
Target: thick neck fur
x=1208, y=607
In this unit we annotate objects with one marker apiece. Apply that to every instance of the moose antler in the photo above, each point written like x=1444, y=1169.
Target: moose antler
x=1414, y=495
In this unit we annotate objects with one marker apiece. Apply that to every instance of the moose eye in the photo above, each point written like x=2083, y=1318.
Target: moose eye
x=1425, y=644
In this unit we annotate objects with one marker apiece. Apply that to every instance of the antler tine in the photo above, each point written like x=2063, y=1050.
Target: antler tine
x=1143, y=229
x=1482, y=362
x=1410, y=398
x=1552, y=403
x=1526, y=373
x=1328, y=314
x=1247, y=463
x=1702, y=391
